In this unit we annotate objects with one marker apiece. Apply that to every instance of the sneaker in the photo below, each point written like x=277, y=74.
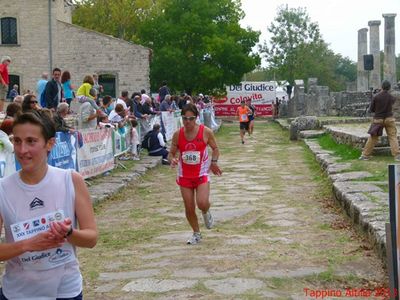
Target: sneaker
x=195, y=239
x=165, y=162
x=123, y=158
x=242, y=142
x=208, y=220
x=135, y=158
x=363, y=157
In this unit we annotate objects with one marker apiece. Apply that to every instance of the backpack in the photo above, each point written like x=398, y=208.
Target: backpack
x=146, y=140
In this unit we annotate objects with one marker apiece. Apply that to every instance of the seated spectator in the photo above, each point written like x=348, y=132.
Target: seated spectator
x=166, y=104
x=30, y=104
x=61, y=113
x=19, y=99
x=14, y=92
x=104, y=122
x=147, y=108
x=118, y=117
x=155, y=144
x=12, y=111
x=134, y=149
x=87, y=116
x=106, y=104
x=137, y=108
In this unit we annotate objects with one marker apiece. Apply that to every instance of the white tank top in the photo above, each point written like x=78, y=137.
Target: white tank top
x=27, y=210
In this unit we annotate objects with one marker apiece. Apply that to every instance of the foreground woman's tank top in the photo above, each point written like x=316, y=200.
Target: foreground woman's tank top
x=27, y=210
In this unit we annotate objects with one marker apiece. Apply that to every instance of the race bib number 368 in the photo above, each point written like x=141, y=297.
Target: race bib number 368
x=191, y=157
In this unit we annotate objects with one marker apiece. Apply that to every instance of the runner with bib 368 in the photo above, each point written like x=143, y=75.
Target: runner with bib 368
x=194, y=165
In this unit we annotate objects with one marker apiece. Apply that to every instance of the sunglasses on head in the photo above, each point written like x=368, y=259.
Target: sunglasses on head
x=189, y=118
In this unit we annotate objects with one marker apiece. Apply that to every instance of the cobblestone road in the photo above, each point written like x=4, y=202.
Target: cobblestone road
x=277, y=233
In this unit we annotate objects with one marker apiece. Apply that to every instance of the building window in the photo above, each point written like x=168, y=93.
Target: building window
x=14, y=79
x=108, y=81
x=9, y=31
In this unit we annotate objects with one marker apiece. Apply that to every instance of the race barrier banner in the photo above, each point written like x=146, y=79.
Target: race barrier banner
x=95, y=154
x=63, y=155
x=261, y=94
x=171, y=123
x=121, y=139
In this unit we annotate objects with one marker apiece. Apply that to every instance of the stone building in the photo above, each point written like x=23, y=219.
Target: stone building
x=39, y=35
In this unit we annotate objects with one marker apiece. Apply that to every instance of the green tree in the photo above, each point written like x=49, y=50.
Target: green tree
x=119, y=18
x=296, y=50
x=198, y=45
x=292, y=32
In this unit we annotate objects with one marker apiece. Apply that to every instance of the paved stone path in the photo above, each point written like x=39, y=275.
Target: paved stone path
x=277, y=232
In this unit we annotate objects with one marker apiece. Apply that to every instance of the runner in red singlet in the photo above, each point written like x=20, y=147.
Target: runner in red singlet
x=194, y=165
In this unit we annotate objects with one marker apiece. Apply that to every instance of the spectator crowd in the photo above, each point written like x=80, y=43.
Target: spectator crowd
x=94, y=108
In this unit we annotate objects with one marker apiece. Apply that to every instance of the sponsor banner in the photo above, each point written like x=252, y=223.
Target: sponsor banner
x=63, y=154
x=230, y=110
x=95, y=153
x=171, y=121
x=261, y=94
x=121, y=139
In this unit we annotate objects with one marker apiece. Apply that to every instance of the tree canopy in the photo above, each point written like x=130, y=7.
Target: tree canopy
x=197, y=45
x=296, y=50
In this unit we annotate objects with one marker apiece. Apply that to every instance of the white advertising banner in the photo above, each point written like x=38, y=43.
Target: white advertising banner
x=95, y=152
x=261, y=93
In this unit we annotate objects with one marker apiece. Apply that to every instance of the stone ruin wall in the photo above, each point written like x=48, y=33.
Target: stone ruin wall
x=319, y=101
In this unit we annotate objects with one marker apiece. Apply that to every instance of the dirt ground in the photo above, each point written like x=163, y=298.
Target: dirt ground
x=278, y=233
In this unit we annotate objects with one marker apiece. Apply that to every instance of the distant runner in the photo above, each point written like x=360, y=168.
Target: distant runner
x=251, y=115
x=193, y=168
x=243, y=112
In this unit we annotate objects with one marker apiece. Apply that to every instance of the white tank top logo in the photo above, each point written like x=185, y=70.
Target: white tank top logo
x=42, y=260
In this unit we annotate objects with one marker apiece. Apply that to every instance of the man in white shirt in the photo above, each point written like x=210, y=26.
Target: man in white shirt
x=123, y=99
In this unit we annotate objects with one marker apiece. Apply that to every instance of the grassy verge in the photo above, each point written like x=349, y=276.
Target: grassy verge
x=345, y=152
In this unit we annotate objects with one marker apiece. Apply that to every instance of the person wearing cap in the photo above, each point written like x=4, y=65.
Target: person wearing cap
x=243, y=112
x=4, y=80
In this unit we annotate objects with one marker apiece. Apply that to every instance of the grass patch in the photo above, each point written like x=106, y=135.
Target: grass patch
x=345, y=152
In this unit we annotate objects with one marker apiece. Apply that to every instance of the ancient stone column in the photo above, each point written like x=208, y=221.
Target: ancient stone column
x=389, y=62
x=362, y=76
x=375, y=74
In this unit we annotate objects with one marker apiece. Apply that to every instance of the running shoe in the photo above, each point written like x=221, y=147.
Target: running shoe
x=242, y=142
x=195, y=239
x=208, y=220
x=363, y=157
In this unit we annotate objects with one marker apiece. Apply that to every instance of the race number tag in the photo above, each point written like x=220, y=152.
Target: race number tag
x=46, y=259
x=191, y=157
x=243, y=118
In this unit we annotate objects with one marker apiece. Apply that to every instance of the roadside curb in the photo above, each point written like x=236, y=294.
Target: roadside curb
x=106, y=186
x=366, y=215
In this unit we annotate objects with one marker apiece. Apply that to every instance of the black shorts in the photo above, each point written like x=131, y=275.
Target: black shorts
x=244, y=125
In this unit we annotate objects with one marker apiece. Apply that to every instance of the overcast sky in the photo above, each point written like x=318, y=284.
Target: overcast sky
x=338, y=20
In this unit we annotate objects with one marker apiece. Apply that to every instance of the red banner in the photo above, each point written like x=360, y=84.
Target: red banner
x=224, y=110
